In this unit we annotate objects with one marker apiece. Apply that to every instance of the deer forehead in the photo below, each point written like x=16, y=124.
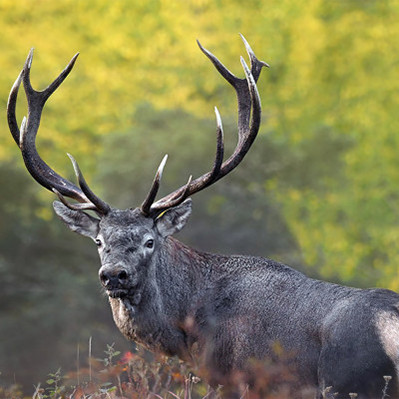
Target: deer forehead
x=129, y=223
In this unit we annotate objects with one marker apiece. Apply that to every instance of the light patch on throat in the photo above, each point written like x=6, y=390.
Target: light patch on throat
x=387, y=324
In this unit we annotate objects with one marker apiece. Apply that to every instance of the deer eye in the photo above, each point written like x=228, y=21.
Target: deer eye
x=149, y=243
x=98, y=242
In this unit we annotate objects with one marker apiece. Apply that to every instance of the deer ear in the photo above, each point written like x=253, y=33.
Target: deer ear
x=174, y=219
x=77, y=221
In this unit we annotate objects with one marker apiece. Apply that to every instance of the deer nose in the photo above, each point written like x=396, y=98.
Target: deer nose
x=113, y=278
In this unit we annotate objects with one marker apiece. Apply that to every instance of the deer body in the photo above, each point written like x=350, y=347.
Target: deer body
x=235, y=308
x=220, y=311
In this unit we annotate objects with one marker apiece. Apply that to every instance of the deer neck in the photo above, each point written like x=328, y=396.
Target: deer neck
x=167, y=300
x=180, y=273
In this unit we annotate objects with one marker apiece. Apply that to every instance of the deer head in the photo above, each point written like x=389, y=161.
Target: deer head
x=130, y=241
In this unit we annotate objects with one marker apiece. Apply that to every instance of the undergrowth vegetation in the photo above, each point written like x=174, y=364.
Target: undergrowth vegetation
x=142, y=375
x=130, y=375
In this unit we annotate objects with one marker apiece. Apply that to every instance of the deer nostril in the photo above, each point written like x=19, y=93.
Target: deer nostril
x=104, y=278
x=122, y=275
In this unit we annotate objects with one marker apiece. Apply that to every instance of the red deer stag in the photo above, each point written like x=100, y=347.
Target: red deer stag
x=237, y=306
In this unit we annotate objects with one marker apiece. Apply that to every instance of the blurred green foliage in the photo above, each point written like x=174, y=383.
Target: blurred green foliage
x=319, y=190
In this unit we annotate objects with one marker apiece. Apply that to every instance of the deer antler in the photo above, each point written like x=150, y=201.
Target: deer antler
x=26, y=136
x=248, y=99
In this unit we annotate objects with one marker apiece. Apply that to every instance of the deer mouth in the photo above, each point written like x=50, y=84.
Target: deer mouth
x=117, y=292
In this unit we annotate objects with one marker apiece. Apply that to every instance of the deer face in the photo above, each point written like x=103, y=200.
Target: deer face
x=128, y=242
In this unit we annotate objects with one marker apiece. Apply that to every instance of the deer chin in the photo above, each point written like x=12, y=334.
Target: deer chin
x=129, y=295
x=130, y=302
x=118, y=293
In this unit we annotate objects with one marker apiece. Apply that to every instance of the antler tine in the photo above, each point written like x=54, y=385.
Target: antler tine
x=219, y=148
x=26, y=137
x=247, y=136
x=146, y=205
x=218, y=65
x=256, y=64
x=99, y=204
x=248, y=99
x=75, y=207
x=11, y=105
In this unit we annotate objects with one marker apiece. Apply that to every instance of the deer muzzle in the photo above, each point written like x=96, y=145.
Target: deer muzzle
x=115, y=280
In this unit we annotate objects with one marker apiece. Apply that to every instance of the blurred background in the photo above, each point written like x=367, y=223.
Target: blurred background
x=319, y=190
